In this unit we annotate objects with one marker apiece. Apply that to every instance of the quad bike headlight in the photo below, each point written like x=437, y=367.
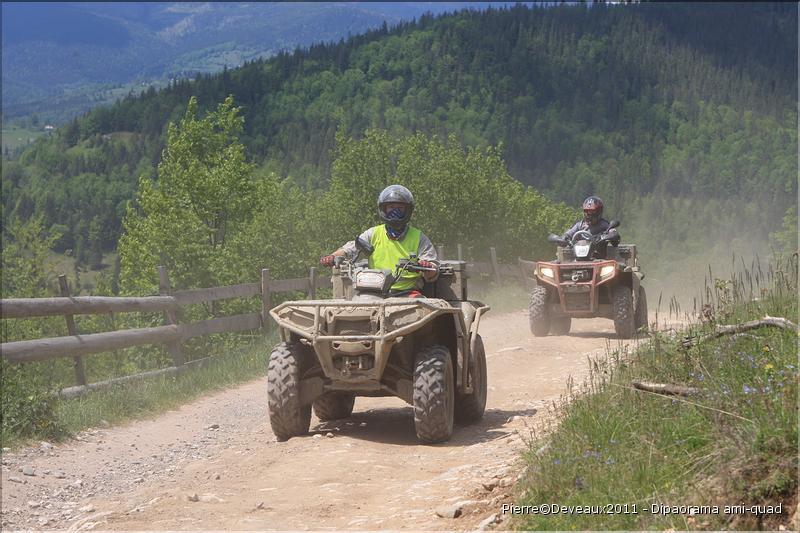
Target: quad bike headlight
x=547, y=272
x=370, y=280
x=581, y=250
x=607, y=271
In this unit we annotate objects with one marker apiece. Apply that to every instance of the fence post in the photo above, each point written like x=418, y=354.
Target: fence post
x=266, y=300
x=80, y=373
x=440, y=252
x=312, y=283
x=170, y=317
x=460, y=253
x=495, y=266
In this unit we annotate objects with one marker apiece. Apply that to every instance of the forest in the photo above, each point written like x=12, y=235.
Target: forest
x=682, y=117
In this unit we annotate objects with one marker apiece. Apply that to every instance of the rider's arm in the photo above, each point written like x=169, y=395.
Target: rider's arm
x=571, y=231
x=349, y=248
x=427, y=252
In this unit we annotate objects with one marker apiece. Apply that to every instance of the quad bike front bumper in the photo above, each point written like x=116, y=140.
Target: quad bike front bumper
x=578, y=285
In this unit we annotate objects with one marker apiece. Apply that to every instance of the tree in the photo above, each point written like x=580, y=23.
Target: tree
x=202, y=193
x=462, y=196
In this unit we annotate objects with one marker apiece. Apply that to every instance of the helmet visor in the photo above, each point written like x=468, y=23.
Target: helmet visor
x=394, y=211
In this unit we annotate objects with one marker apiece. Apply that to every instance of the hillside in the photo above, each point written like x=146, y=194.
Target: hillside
x=681, y=116
x=62, y=59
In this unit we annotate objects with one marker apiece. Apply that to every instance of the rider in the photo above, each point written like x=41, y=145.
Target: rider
x=393, y=240
x=594, y=223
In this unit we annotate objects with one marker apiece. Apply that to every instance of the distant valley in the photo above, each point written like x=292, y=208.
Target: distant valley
x=62, y=59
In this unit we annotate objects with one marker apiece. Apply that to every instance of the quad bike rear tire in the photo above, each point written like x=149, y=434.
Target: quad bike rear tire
x=624, y=319
x=560, y=325
x=538, y=314
x=434, y=394
x=287, y=417
x=641, y=310
x=334, y=406
x=470, y=407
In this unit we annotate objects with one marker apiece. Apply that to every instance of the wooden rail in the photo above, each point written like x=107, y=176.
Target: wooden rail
x=169, y=302
x=83, y=305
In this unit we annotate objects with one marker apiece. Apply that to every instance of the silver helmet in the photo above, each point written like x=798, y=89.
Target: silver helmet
x=395, y=194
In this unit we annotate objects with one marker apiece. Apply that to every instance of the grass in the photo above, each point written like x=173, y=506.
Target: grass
x=735, y=442
x=147, y=397
x=15, y=137
x=65, y=264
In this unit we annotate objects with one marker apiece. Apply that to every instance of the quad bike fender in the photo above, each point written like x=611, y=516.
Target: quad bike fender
x=466, y=385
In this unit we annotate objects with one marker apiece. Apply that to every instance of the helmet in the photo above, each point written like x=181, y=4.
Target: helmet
x=396, y=219
x=592, y=209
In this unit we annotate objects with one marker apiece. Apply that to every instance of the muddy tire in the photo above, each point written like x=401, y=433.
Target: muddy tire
x=334, y=405
x=470, y=407
x=560, y=325
x=641, y=310
x=538, y=314
x=624, y=319
x=286, y=416
x=434, y=394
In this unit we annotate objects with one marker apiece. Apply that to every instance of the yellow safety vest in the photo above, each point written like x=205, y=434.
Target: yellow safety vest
x=387, y=252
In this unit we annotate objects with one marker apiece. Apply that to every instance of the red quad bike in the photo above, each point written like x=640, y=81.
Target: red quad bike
x=580, y=284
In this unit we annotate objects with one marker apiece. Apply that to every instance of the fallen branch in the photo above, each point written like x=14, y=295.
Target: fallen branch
x=687, y=402
x=735, y=329
x=664, y=388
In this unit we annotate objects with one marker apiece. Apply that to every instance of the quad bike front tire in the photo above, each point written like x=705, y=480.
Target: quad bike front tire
x=560, y=325
x=470, y=407
x=286, y=416
x=434, y=394
x=538, y=313
x=624, y=320
x=334, y=405
x=641, y=310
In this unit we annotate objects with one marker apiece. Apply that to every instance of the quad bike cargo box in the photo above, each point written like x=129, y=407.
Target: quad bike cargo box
x=452, y=282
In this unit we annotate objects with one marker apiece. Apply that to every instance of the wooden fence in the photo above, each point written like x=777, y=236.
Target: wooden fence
x=169, y=302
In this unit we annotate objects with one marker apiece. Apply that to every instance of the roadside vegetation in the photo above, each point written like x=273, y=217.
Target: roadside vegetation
x=732, y=442
x=54, y=418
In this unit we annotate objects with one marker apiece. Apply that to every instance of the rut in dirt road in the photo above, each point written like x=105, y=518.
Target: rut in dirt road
x=215, y=464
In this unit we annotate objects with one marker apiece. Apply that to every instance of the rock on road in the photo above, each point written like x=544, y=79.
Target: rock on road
x=214, y=463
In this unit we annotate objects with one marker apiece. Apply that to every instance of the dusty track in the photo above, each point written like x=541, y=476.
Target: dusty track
x=370, y=474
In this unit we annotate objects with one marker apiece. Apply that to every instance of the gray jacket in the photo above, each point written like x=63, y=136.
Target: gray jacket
x=582, y=225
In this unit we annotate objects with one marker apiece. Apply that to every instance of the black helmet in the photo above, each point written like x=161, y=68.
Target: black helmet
x=592, y=209
x=396, y=194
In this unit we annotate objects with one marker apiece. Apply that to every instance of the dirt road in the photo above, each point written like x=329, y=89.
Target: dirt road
x=214, y=464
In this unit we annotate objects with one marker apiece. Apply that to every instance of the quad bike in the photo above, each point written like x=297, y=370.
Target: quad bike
x=579, y=284
x=369, y=341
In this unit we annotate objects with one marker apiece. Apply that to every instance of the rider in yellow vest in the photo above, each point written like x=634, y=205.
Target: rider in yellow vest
x=393, y=240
